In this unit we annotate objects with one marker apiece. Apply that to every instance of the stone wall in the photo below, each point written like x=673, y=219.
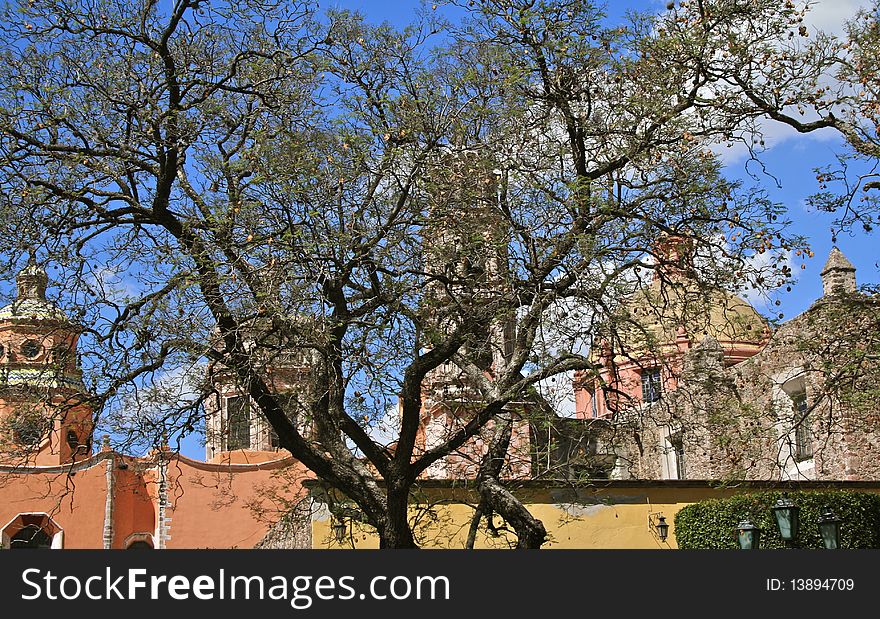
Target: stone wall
x=740, y=422
x=294, y=530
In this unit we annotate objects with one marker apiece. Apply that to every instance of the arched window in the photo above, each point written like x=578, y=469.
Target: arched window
x=672, y=453
x=30, y=531
x=138, y=541
x=28, y=428
x=803, y=441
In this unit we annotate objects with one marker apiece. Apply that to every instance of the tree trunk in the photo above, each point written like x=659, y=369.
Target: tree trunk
x=529, y=530
x=493, y=495
x=395, y=531
x=475, y=525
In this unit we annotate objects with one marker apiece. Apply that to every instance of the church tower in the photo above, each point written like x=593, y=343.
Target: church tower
x=466, y=263
x=236, y=431
x=45, y=418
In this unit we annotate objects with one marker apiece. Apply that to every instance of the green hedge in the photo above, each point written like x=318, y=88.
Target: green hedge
x=709, y=524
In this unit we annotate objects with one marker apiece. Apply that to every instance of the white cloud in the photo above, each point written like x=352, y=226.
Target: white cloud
x=169, y=390
x=387, y=429
x=831, y=15
x=767, y=262
x=773, y=134
x=559, y=393
x=562, y=329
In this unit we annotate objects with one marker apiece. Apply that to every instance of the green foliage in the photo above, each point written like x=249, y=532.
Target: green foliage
x=709, y=524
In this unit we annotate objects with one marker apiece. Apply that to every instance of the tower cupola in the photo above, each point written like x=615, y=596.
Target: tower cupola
x=45, y=417
x=32, y=281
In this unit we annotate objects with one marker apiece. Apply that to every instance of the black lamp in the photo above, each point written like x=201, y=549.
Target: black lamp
x=748, y=535
x=662, y=528
x=829, y=528
x=658, y=526
x=657, y=523
x=787, y=516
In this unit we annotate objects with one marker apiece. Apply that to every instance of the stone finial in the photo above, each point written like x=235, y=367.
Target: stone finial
x=838, y=275
x=32, y=281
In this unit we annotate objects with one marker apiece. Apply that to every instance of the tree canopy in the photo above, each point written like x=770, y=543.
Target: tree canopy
x=224, y=182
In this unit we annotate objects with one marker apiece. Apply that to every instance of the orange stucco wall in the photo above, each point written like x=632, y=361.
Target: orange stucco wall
x=134, y=508
x=204, y=505
x=227, y=506
x=75, y=502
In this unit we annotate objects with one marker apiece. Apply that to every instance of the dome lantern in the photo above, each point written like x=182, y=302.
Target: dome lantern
x=32, y=281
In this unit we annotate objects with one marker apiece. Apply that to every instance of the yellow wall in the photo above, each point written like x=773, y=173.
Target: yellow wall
x=613, y=516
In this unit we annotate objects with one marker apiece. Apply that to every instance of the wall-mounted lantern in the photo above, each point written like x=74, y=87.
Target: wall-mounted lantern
x=658, y=526
x=340, y=530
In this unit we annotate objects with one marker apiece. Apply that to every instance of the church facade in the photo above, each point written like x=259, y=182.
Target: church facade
x=724, y=398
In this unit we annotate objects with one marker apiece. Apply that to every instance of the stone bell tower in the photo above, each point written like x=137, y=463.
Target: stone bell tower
x=466, y=262
x=45, y=418
x=236, y=431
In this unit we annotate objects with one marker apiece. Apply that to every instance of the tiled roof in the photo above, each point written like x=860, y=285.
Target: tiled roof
x=32, y=309
x=47, y=377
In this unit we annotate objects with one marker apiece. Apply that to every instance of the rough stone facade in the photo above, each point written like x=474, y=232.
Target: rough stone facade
x=806, y=407
x=293, y=530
